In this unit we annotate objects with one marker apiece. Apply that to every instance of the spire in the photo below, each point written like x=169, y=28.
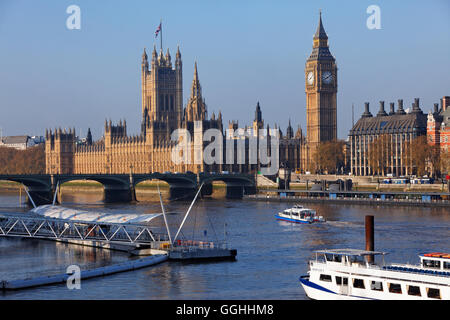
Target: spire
x=258, y=113
x=144, y=56
x=89, y=137
x=161, y=57
x=178, y=55
x=321, y=50
x=195, y=72
x=320, y=32
x=154, y=55
x=196, y=90
x=168, y=58
x=289, y=130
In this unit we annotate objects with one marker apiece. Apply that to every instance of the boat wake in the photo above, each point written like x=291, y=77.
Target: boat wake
x=344, y=224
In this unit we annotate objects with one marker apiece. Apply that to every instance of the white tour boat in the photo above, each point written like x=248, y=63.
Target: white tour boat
x=351, y=274
x=299, y=214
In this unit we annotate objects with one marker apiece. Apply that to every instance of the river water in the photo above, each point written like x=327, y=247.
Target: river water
x=271, y=254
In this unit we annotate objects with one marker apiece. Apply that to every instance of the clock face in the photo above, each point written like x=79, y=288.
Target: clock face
x=327, y=77
x=310, y=78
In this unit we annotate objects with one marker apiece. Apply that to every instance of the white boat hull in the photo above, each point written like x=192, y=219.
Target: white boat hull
x=317, y=292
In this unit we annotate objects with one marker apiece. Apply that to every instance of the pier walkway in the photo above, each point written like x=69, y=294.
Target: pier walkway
x=119, y=236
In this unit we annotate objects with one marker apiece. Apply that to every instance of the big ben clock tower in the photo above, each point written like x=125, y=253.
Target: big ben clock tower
x=321, y=89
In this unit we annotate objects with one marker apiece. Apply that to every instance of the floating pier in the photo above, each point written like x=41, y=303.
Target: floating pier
x=86, y=274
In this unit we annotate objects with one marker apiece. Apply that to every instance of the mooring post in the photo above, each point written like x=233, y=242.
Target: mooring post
x=370, y=237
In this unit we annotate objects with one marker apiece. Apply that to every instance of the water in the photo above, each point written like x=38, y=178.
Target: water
x=271, y=254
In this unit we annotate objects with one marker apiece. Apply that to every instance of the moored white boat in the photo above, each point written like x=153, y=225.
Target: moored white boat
x=350, y=274
x=299, y=214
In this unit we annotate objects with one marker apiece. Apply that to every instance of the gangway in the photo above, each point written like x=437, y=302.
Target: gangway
x=31, y=225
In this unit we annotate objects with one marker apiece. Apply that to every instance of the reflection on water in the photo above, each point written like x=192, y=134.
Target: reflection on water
x=271, y=254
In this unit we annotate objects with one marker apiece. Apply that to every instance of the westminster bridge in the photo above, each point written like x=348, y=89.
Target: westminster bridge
x=121, y=187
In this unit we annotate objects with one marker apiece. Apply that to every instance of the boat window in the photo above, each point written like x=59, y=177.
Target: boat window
x=431, y=263
x=414, y=291
x=356, y=259
x=358, y=283
x=446, y=265
x=329, y=257
x=433, y=293
x=325, y=277
x=376, y=285
x=340, y=282
x=395, y=288
x=337, y=258
x=294, y=213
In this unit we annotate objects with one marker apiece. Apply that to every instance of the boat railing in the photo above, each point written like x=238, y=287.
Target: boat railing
x=417, y=269
x=193, y=244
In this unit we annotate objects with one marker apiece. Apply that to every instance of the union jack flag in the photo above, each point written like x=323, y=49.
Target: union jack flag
x=157, y=30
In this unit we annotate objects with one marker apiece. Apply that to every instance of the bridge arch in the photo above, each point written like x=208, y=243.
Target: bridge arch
x=39, y=186
x=181, y=185
x=236, y=184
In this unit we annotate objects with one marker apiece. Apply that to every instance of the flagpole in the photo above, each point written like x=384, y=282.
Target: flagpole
x=161, y=34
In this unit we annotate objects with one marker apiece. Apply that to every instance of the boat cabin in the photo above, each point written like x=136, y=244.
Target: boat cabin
x=349, y=257
x=435, y=261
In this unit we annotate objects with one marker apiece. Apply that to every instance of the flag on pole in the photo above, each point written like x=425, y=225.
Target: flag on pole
x=157, y=30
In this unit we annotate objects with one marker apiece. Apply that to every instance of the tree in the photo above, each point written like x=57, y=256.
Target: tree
x=421, y=157
x=330, y=156
x=29, y=161
x=379, y=153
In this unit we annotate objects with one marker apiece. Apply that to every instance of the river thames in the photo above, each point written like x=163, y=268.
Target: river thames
x=271, y=254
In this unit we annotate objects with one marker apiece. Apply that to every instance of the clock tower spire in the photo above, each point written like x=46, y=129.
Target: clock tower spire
x=321, y=89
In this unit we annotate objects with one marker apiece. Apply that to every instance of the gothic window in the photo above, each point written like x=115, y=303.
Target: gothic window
x=171, y=103
x=167, y=103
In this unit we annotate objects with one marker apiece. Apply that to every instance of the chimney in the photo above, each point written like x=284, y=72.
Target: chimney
x=416, y=105
x=445, y=102
x=381, y=113
x=370, y=241
x=392, y=109
x=436, y=108
x=366, y=113
x=400, y=107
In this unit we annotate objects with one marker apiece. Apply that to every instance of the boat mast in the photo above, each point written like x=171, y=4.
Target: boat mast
x=56, y=194
x=29, y=197
x=164, y=215
x=187, y=213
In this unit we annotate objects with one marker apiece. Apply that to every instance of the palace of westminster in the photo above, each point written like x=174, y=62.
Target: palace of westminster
x=163, y=113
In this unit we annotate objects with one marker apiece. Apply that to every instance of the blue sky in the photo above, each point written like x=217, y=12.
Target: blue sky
x=247, y=51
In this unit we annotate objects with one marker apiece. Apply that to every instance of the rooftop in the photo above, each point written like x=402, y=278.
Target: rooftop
x=350, y=252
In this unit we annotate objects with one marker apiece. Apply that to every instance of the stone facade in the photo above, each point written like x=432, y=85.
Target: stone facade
x=163, y=113
x=396, y=129
x=438, y=125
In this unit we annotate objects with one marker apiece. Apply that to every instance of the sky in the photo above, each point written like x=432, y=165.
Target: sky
x=246, y=51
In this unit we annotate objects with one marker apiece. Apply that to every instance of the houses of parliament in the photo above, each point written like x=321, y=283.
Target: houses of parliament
x=163, y=113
